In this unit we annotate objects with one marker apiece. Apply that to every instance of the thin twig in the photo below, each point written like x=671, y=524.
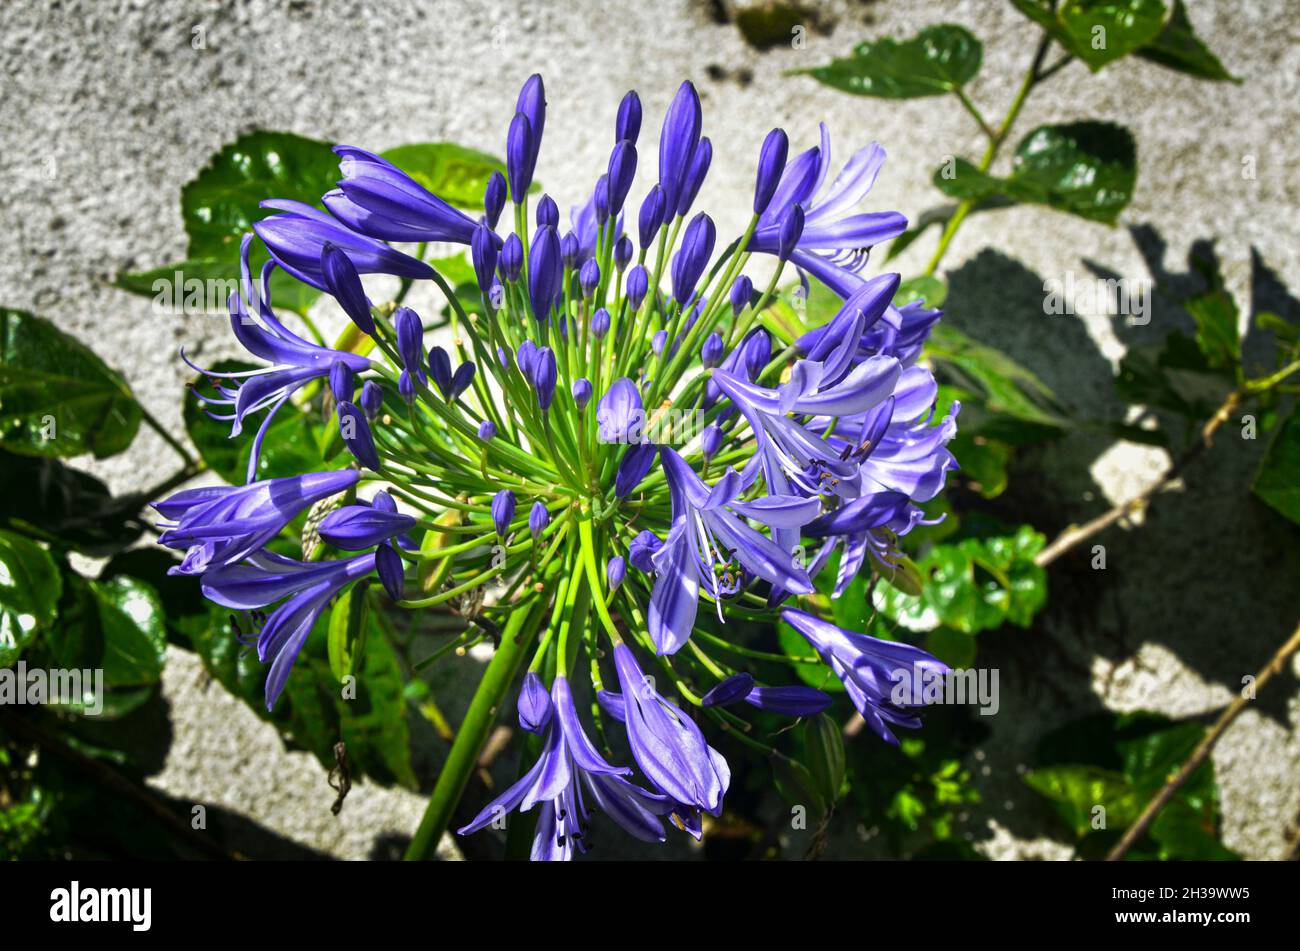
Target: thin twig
x=1202, y=750
x=1076, y=534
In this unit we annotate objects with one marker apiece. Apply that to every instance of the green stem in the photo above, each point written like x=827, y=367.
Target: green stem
x=1032, y=78
x=473, y=732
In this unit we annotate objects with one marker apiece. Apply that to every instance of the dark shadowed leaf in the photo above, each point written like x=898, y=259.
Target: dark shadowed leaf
x=52, y=385
x=1277, y=483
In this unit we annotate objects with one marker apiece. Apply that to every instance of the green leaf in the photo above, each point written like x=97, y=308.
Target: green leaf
x=349, y=622
x=1179, y=48
x=131, y=624
x=927, y=288
x=797, y=787
x=1077, y=790
x=1083, y=168
x=974, y=585
x=1098, y=32
x=938, y=60
x=50, y=501
x=372, y=723
x=1173, y=375
x=457, y=175
x=1215, y=314
x=29, y=594
x=202, y=286
x=825, y=755
x=220, y=205
x=983, y=463
x=1001, y=384
x=1277, y=483
x=954, y=648
x=57, y=398
x=115, y=625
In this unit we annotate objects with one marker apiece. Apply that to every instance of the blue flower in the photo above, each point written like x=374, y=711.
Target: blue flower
x=308, y=588
x=711, y=546
x=297, y=236
x=876, y=674
x=568, y=781
x=295, y=362
x=377, y=199
x=834, y=243
x=221, y=525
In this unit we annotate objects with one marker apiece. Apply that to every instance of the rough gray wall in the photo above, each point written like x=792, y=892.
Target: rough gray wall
x=1193, y=599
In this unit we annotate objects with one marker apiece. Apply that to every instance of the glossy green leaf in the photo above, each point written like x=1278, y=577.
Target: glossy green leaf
x=1277, y=483
x=57, y=398
x=220, y=205
x=1084, y=168
x=1098, y=32
x=135, y=639
x=1179, y=48
x=973, y=585
x=938, y=60
x=29, y=594
x=457, y=175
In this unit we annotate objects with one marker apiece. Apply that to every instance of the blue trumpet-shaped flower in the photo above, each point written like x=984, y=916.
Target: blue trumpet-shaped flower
x=297, y=235
x=711, y=546
x=307, y=589
x=377, y=199
x=882, y=678
x=834, y=243
x=221, y=525
x=295, y=362
x=569, y=781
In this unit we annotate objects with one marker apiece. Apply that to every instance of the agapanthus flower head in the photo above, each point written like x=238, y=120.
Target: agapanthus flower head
x=720, y=446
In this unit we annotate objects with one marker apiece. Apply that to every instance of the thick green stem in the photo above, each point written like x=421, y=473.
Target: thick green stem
x=473, y=732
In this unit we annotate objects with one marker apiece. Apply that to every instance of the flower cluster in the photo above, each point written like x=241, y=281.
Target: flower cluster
x=615, y=444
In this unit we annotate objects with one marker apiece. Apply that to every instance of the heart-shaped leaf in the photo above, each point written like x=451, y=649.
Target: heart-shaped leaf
x=1084, y=168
